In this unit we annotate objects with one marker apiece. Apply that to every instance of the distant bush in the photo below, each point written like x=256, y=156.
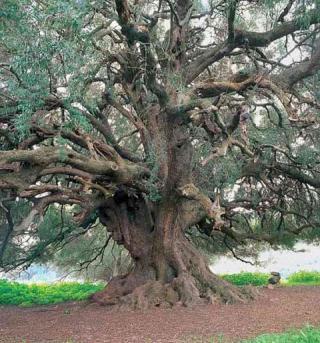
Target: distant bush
x=305, y=335
x=304, y=278
x=14, y=293
x=244, y=278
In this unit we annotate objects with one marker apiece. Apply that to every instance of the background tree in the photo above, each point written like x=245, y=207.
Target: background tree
x=167, y=121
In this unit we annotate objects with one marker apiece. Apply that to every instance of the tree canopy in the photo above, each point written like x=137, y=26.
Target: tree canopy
x=174, y=124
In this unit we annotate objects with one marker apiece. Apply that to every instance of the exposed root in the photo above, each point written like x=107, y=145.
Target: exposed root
x=231, y=294
x=118, y=288
x=219, y=290
x=188, y=282
x=183, y=290
x=151, y=294
x=185, y=286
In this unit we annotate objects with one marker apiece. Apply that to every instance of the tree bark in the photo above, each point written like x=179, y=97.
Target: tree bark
x=168, y=270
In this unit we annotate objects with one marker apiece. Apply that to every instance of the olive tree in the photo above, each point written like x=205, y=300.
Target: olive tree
x=167, y=122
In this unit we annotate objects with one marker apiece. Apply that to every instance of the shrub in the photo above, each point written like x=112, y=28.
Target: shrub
x=244, y=278
x=304, y=277
x=14, y=293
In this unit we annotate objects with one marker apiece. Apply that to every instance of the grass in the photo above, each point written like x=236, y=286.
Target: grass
x=14, y=293
x=244, y=278
x=304, y=278
x=305, y=335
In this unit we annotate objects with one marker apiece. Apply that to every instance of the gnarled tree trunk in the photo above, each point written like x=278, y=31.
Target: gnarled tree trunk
x=168, y=269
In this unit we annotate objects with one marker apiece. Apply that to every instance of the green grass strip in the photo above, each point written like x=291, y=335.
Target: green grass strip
x=305, y=335
x=14, y=293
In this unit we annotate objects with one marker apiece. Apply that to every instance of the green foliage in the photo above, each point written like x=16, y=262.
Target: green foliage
x=88, y=256
x=304, y=278
x=176, y=81
x=78, y=120
x=244, y=278
x=226, y=169
x=307, y=155
x=29, y=33
x=304, y=21
x=14, y=293
x=55, y=226
x=22, y=123
x=305, y=335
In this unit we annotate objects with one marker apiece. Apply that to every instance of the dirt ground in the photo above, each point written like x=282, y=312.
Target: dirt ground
x=273, y=311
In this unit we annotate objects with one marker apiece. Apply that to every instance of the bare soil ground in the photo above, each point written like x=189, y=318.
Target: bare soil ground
x=273, y=311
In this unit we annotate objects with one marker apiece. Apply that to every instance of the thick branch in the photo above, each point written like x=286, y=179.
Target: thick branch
x=302, y=70
x=296, y=174
x=212, y=209
x=122, y=171
x=247, y=38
